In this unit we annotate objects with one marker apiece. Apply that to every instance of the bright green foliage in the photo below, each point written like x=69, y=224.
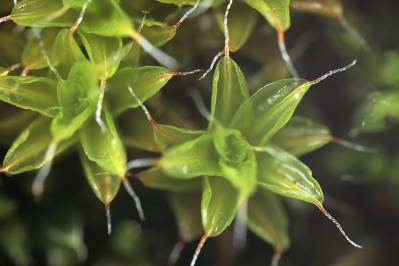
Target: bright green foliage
x=105, y=53
x=220, y=202
x=29, y=149
x=33, y=93
x=229, y=91
x=145, y=81
x=269, y=109
x=88, y=62
x=276, y=12
x=105, y=185
x=42, y=13
x=78, y=96
x=104, y=147
x=284, y=174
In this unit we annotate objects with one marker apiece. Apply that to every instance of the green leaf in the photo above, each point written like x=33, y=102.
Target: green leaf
x=66, y=52
x=219, y=205
x=302, y=135
x=380, y=112
x=181, y=3
x=145, y=82
x=237, y=160
x=33, y=93
x=276, y=12
x=268, y=220
x=229, y=91
x=157, y=33
x=104, y=184
x=78, y=96
x=43, y=13
x=191, y=159
x=329, y=8
x=269, y=109
x=175, y=136
x=105, y=53
x=28, y=151
x=187, y=210
x=74, y=3
x=156, y=179
x=106, y=18
x=32, y=57
x=239, y=31
x=104, y=148
x=284, y=174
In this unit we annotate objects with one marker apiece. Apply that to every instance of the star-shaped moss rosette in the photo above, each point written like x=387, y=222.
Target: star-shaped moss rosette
x=247, y=154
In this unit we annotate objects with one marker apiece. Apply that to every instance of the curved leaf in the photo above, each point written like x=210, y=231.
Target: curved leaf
x=276, y=12
x=269, y=109
x=219, y=205
x=29, y=150
x=191, y=159
x=104, y=52
x=229, y=91
x=284, y=174
x=104, y=148
x=145, y=81
x=302, y=135
x=175, y=136
x=268, y=220
x=43, y=13
x=34, y=93
x=78, y=96
x=105, y=185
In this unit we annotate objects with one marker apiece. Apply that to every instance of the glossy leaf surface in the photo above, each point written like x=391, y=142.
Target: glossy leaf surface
x=29, y=150
x=191, y=159
x=104, y=148
x=144, y=81
x=34, y=93
x=204, y=3
x=220, y=202
x=66, y=52
x=106, y=18
x=268, y=220
x=284, y=174
x=229, y=91
x=157, y=33
x=301, y=135
x=269, y=109
x=105, y=185
x=105, y=53
x=42, y=13
x=78, y=96
x=276, y=12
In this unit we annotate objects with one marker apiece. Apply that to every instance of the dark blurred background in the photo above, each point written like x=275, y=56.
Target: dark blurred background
x=67, y=226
